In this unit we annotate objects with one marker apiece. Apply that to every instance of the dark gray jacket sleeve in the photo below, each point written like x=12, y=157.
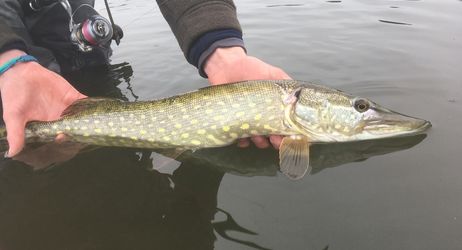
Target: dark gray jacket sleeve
x=13, y=32
x=9, y=40
x=189, y=19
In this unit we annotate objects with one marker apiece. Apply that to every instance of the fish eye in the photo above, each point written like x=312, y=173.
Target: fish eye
x=361, y=105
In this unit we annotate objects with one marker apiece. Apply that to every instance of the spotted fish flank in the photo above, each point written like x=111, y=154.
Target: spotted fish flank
x=219, y=115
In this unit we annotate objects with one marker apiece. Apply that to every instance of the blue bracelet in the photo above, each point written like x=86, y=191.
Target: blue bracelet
x=12, y=62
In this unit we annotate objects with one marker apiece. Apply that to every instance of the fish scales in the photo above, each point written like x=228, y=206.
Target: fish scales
x=211, y=117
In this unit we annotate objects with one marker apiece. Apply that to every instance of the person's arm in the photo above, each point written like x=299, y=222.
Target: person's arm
x=210, y=37
x=12, y=26
x=28, y=90
x=191, y=20
x=9, y=40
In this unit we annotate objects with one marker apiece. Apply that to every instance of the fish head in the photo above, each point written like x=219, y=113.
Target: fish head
x=328, y=115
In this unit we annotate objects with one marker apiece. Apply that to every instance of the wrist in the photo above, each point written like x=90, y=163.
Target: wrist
x=10, y=54
x=223, y=58
x=17, y=68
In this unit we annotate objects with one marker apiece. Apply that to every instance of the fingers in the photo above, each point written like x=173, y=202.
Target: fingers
x=276, y=140
x=61, y=138
x=277, y=73
x=259, y=141
x=243, y=143
x=284, y=75
x=15, y=134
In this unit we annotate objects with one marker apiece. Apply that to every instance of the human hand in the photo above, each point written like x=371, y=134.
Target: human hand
x=31, y=92
x=227, y=65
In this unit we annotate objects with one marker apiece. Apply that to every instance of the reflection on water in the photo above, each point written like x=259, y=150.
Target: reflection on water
x=232, y=159
x=335, y=155
x=105, y=81
x=110, y=198
x=229, y=225
x=105, y=199
x=256, y=162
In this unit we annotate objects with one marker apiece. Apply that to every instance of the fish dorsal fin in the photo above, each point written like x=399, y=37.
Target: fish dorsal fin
x=294, y=156
x=86, y=103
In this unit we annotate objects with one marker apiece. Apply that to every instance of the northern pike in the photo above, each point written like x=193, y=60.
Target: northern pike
x=217, y=116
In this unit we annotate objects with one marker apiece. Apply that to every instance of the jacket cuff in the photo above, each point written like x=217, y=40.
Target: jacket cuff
x=209, y=42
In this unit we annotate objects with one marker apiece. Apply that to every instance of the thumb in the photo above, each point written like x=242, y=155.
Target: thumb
x=278, y=73
x=15, y=135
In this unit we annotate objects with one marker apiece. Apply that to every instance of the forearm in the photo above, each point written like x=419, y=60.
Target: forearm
x=201, y=26
x=189, y=20
x=13, y=32
x=9, y=40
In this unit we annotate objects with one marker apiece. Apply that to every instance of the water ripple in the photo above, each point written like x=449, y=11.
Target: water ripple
x=393, y=22
x=284, y=5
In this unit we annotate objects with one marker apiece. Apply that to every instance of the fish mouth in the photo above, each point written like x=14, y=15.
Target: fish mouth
x=423, y=126
x=387, y=123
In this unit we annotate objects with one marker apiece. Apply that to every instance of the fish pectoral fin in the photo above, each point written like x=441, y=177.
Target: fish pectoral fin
x=294, y=156
x=85, y=103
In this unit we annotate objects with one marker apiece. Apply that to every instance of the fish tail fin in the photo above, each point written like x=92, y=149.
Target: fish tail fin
x=3, y=142
x=4, y=146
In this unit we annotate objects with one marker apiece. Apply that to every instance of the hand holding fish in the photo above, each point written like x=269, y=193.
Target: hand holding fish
x=31, y=92
x=228, y=65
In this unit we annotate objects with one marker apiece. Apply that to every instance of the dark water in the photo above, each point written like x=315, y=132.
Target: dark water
x=388, y=194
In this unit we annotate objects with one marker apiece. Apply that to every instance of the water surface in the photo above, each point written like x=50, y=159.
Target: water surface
x=405, y=55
